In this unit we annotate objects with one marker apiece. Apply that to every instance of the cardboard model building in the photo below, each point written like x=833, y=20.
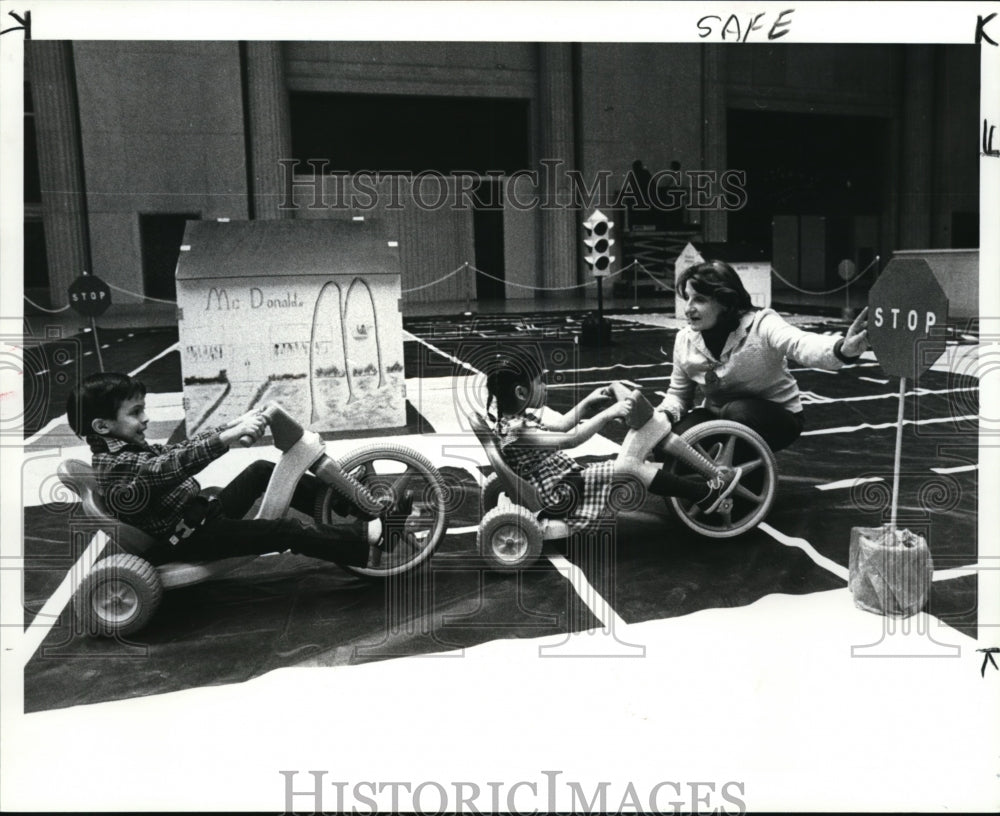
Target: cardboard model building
x=302, y=313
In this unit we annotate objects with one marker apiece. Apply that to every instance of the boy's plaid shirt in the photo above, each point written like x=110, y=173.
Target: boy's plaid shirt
x=148, y=486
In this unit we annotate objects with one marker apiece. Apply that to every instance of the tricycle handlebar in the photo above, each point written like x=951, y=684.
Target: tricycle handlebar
x=285, y=430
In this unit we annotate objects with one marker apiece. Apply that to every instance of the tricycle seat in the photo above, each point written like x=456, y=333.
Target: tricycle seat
x=79, y=477
x=516, y=487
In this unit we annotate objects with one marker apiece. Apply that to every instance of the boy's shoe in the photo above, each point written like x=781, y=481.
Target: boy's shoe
x=641, y=411
x=385, y=535
x=719, y=490
x=372, y=531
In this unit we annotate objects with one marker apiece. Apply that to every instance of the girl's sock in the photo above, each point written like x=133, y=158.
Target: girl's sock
x=666, y=483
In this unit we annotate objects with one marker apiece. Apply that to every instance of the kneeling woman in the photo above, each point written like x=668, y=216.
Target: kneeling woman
x=738, y=356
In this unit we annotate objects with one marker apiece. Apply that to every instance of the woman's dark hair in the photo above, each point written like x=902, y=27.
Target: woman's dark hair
x=717, y=279
x=504, y=374
x=99, y=396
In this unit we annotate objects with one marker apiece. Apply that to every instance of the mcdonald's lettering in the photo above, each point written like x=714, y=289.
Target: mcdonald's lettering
x=289, y=301
x=219, y=300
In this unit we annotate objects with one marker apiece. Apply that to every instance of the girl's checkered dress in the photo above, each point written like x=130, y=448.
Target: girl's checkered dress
x=558, y=478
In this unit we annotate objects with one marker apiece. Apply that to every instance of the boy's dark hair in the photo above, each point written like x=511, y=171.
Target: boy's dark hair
x=99, y=396
x=717, y=279
x=505, y=372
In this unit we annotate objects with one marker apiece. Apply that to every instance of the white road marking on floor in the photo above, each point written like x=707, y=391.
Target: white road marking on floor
x=43, y=622
x=462, y=530
x=842, y=368
x=617, y=365
x=807, y=548
x=916, y=392
x=960, y=572
x=43, y=371
x=148, y=363
x=87, y=353
x=959, y=469
x=873, y=380
x=579, y=384
x=819, y=370
x=444, y=354
x=50, y=426
x=591, y=597
x=56, y=421
x=849, y=482
x=812, y=398
x=881, y=425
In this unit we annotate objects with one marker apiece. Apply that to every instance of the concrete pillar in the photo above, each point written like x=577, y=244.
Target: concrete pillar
x=713, y=145
x=558, y=229
x=270, y=136
x=916, y=154
x=60, y=163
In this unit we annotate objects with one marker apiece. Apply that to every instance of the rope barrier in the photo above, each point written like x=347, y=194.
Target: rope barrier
x=828, y=291
x=470, y=267
x=143, y=297
x=43, y=309
x=543, y=288
x=653, y=277
x=434, y=282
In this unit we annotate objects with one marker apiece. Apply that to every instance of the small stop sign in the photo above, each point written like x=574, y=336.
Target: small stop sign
x=907, y=313
x=89, y=296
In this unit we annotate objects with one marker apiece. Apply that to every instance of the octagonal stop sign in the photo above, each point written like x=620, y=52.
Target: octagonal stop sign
x=89, y=296
x=907, y=313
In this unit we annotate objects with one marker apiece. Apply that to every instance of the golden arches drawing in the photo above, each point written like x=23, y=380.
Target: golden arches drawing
x=348, y=314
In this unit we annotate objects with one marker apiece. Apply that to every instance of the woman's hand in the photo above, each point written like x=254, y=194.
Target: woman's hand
x=856, y=339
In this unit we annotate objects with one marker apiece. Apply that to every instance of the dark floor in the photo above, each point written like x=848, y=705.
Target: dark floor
x=284, y=610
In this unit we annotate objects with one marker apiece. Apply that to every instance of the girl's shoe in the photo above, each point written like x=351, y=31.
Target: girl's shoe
x=719, y=490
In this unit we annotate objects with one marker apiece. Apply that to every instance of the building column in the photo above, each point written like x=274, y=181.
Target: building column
x=558, y=229
x=713, y=135
x=270, y=135
x=60, y=163
x=916, y=165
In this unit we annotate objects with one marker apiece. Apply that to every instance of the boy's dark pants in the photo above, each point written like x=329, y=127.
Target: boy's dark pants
x=226, y=533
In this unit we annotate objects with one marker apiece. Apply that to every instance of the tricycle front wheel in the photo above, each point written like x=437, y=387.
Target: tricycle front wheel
x=732, y=444
x=416, y=496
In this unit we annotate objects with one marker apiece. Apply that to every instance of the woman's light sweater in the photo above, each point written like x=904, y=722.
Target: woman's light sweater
x=753, y=363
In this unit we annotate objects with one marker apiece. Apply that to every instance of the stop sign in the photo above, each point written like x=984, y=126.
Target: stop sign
x=907, y=313
x=89, y=295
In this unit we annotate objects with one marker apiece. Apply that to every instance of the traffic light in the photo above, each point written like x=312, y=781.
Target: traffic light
x=599, y=242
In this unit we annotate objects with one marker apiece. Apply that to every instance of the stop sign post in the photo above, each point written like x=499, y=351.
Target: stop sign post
x=90, y=297
x=907, y=314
